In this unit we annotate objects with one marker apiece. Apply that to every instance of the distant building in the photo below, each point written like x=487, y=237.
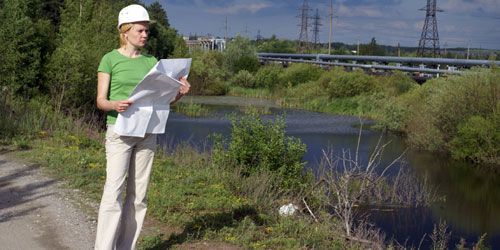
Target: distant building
x=205, y=43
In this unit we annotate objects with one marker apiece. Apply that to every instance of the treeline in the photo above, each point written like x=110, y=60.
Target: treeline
x=51, y=49
x=366, y=48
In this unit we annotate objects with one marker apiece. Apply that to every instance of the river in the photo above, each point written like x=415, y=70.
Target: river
x=469, y=195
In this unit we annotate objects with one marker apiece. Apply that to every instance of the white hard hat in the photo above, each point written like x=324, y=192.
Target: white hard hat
x=132, y=13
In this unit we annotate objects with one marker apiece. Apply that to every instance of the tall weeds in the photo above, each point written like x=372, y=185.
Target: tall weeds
x=349, y=183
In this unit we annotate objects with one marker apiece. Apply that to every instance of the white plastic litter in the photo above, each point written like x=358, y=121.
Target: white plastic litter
x=287, y=210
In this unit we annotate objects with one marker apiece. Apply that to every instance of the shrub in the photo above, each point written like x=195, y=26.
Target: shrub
x=207, y=74
x=275, y=45
x=397, y=83
x=244, y=79
x=299, y=73
x=393, y=115
x=339, y=83
x=478, y=139
x=240, y=55
x=268, y=76
x=259, y=146
x=245, y=62
x=305, y=95
x=431, y=114
x=457, y=99
x=217, y=87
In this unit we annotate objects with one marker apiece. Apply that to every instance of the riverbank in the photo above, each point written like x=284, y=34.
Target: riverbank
x=458, y=115
x=202, y=201
x=206, y=202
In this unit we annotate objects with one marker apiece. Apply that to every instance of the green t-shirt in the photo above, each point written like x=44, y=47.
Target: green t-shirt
x=125, y=74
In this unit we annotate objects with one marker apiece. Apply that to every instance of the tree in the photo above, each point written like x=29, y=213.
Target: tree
x=161, y=41
x=87, y=32
x=371, y=48
x=180, y=48
x=20, y=52
x=274, y=45
x=158, y=14
x=47, y=10
x=162, y=37
x=240, y=54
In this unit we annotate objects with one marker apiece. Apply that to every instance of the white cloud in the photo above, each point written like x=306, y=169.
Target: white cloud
x=238, y=8
x=469, y=6
x=359, y=11
x=452, y=28
x=399, y=25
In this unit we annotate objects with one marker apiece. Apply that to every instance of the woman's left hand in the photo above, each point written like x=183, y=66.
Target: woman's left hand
x=185, y=86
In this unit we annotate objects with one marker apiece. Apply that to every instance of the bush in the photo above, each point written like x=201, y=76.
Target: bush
x=437, y=108
x=455, y=114
x=397, y=83
x=217, y=87
x=393, y=115
x=457, y=99
x=299, y=73
x=305, y=95
x=245, y=62
x=207, y=74
x=243, y=79
x=274, y=45
x=339, y=83
x=240, y=55
x=478, y=139
x=260, y=146
x=268, y=76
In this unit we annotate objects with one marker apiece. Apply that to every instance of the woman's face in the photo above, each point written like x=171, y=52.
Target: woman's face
x=138, y=34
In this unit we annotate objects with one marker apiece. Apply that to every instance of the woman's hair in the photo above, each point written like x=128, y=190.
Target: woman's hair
x=124, y=28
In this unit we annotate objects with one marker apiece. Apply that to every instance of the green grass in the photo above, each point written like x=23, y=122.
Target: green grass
x=69, y=157
x=190, y=109
x=259, y=110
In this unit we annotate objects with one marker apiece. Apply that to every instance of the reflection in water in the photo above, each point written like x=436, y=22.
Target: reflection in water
x=471, y=197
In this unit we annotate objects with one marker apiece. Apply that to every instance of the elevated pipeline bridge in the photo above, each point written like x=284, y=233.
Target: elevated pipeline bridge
x=420, y=67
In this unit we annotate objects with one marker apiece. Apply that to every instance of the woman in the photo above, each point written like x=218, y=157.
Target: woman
x=119, y=72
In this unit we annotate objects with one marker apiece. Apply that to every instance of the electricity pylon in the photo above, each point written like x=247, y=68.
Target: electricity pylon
x=429, y=40
x=304, y=26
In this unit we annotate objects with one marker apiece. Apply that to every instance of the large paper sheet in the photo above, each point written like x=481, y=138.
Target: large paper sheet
x=151, y=99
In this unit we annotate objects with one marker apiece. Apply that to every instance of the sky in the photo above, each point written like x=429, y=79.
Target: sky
x=474, y=23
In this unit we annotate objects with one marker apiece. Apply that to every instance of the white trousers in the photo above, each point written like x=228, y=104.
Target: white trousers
x=118, y=225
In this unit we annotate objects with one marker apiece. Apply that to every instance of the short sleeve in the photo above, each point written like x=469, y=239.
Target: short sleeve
x=152, y=61
x=105, y=65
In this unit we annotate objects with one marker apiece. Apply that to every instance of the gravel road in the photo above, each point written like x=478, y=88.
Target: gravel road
x=36, y=212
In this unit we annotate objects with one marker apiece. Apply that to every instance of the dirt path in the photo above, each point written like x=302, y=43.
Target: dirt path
x=37, y=213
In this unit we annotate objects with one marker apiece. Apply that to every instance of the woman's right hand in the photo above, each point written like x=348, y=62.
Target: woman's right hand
x=121, y=106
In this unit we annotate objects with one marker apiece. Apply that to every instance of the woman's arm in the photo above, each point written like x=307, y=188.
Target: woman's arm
x=103, y=81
